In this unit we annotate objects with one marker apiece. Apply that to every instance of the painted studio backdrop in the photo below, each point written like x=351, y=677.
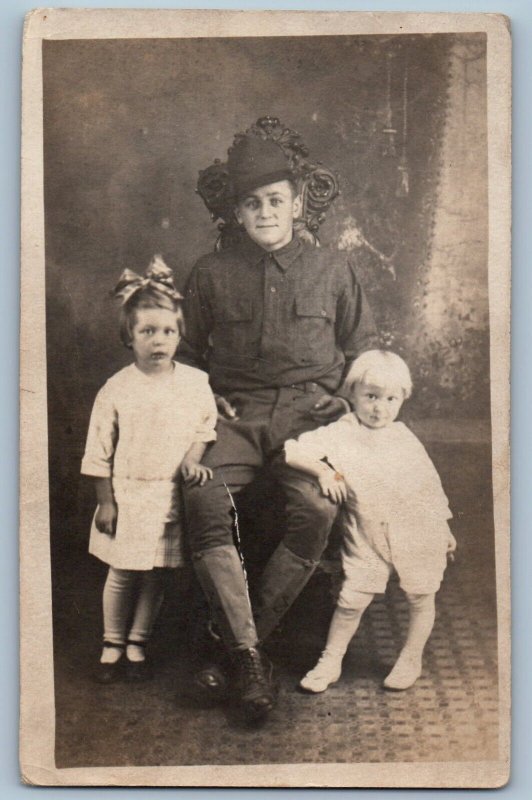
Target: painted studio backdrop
x=128, y=124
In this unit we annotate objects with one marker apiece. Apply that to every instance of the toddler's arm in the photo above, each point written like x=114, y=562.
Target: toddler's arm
x=330, y=482
x=106, y=513
x=192, y=470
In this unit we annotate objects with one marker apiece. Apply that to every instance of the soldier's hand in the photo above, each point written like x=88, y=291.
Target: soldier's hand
x=329, y=408
x=225, y=409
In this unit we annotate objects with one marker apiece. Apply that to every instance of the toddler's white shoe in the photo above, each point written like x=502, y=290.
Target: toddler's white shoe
x=405, y=673
x=327, y=671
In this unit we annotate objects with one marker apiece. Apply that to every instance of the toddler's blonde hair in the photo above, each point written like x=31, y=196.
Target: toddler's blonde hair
x=381, y=367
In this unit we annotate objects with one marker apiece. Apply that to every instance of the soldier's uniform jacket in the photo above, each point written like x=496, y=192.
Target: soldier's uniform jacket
x=267, y=320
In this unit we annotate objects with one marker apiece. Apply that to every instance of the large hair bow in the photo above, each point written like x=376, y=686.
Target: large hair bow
x=158, y=275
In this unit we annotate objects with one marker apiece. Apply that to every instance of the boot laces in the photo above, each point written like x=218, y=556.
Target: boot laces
x=253, y=668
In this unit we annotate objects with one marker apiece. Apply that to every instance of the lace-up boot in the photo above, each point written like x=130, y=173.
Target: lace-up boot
x=254, y=681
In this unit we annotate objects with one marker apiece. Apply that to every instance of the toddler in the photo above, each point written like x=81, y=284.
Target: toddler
x=394, y=512
x=151, y=423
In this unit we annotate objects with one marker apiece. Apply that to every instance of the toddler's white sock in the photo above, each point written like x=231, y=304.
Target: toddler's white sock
x=343, y=627
x=327, y=671
x=408, y=666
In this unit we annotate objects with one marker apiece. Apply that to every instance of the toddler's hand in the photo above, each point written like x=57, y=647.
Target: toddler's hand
x=105, y=519
x=332, y=486
x=194, y=473
x=451, y=547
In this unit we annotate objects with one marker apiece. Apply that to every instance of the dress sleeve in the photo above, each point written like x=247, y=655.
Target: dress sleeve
x=102, y=436
x=205, y=428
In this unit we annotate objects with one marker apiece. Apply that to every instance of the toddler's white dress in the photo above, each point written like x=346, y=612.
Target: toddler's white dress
x=139, y=432
x=396, y=512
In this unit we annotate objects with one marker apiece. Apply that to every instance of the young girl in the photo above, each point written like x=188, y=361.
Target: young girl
x=394, y=516
x=151, y=423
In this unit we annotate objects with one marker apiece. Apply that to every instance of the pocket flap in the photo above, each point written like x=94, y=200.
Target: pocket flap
x=314, y=307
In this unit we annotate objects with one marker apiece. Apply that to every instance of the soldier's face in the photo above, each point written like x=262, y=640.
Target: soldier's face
x=268, y=214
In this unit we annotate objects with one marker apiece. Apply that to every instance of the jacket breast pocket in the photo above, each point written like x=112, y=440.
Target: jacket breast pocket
x=314, y=329
x=233, y=332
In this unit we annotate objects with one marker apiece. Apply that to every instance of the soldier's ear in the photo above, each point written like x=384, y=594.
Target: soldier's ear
x=297, y=205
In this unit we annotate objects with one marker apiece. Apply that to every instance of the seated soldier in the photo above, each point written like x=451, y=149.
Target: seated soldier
x=276, y=322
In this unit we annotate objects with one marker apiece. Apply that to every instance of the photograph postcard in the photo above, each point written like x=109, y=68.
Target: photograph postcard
x=265, y=338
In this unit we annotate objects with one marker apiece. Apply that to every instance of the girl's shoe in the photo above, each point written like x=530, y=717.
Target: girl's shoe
x=110, y=671
x=327, y=671
x=405, y=673
x=138, y=671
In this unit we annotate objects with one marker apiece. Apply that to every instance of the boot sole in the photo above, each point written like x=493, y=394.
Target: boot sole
x=255, y=714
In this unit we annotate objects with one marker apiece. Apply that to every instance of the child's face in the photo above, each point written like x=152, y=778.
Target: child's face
x=154, y=339
x=268, y=214
x=376, y=405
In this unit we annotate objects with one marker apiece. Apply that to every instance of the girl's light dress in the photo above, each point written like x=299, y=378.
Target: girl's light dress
x=140, y=429
x=396, y=512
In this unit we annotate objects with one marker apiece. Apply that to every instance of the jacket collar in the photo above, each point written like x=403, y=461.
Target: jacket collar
x=283, y=257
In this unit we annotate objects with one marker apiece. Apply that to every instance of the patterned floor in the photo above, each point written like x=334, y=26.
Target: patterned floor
x=450, y=714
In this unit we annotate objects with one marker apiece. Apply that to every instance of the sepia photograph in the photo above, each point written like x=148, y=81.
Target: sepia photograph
x=265, y=399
